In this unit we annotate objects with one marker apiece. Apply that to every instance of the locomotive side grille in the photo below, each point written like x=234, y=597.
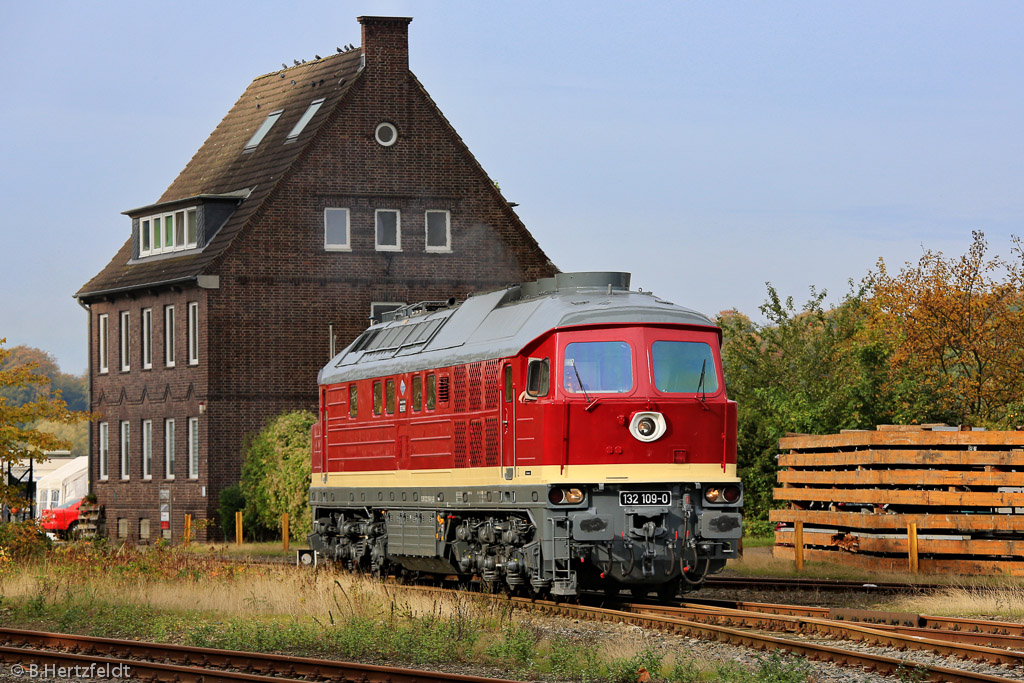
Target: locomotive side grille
x=491, y=437
x=491, y=369
x=474, y=386
x=442, y=389
x=476, y=443
x=460, y=443
x=460, y=389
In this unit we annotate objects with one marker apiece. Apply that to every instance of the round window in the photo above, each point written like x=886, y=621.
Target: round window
x=386, y=134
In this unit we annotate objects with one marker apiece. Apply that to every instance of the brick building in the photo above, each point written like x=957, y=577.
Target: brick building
x=331, y=191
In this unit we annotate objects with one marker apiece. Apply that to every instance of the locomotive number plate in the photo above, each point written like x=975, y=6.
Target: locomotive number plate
x=645, y=498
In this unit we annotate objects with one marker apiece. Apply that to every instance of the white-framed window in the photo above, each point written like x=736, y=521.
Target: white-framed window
x=147, y=338
x=147, y=449
x=385, y=134
x=126, y=341
x=262, y=131
x=439, y=231
x=379, y=308
x=169, y=335
x=304, y=119
x=104, y=438
x=193, y=333
x=389, y=229
x=125, y=433
x=337, y=229
x=169, y=448
x=193, y=448
x=103, y=330
x=171, y=231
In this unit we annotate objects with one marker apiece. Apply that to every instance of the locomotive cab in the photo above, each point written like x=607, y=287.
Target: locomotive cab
x=560, y=436
x=643, y=437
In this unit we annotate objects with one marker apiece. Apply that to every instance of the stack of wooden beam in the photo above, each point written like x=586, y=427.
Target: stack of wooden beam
x=925, y=497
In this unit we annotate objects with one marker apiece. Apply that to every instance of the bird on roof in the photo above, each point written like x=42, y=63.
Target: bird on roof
x=303, y=61
x=283, y=65
x=296, y=62
x=338, y=49
x=318, y=57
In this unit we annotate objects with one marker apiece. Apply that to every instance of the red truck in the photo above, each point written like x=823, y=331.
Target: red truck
x=61, y=521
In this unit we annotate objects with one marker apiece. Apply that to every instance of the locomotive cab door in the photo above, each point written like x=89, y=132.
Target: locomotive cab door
x=508, y=423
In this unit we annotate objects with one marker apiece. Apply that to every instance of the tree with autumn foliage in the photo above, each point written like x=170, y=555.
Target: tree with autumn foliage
x=955, y=327
x=20, y=439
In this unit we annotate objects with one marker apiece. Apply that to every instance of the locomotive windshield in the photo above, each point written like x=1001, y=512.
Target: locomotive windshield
x=680, y=367
x=598, y=367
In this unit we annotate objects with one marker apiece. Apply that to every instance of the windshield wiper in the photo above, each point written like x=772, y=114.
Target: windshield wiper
x=700, y=384
x=572, y=362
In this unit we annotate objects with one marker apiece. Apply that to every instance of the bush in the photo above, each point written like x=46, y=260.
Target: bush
x=231, y=501
x=276, y=474
x=23, y=539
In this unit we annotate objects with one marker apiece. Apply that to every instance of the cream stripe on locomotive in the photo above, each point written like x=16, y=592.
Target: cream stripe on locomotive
x=547, y=474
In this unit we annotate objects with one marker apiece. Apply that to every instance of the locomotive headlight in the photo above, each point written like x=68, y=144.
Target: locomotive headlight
x=647, y=426
x=725, y=494
x=560, y=496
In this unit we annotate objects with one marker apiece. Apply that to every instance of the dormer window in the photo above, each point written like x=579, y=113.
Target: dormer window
x=167, y=232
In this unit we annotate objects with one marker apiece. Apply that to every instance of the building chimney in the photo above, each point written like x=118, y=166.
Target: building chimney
x=386, y=43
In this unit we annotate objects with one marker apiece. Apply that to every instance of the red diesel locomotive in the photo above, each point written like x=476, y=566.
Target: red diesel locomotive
x=562, y=435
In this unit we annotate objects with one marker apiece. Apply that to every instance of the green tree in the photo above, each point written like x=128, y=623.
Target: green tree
x=73, y=388
x=19, y=438
x=815, y=370
x=276, y=474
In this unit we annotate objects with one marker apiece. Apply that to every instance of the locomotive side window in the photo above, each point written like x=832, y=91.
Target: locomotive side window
x=682, y=367
x=598, y=367
x=538, y=377
x=431, y=391
x=377, y=398
x=508, y=384
x=391, y=397
x=417, y=392
x=353, y=403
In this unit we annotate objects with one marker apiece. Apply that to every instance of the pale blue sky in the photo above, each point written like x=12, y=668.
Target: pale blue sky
x=705, y=147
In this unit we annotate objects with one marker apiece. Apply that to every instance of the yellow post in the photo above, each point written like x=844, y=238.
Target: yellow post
x=238, y=527
x=912, y=546
x=798, y=545
x=284, y=530
x=187, y=537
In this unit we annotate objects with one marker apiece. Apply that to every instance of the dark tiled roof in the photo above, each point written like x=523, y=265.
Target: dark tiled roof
x=220, y=165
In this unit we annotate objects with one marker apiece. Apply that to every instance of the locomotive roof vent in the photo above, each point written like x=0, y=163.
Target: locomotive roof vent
x=608, y=281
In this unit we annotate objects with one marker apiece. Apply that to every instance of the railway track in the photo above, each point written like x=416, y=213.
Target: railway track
x=80, y=655
x=756, y=630
x=795, y=584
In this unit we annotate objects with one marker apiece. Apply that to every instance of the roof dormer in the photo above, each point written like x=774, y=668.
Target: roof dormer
x=181, y=226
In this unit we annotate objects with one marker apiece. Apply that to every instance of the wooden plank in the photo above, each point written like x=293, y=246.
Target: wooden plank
x=899, y=564
x=883, y=496
x=912, y=548
x=924, y=477
x=924, y=457
x=856, y=520
x=899, y=545
x=883, y=439
x=798, y=545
